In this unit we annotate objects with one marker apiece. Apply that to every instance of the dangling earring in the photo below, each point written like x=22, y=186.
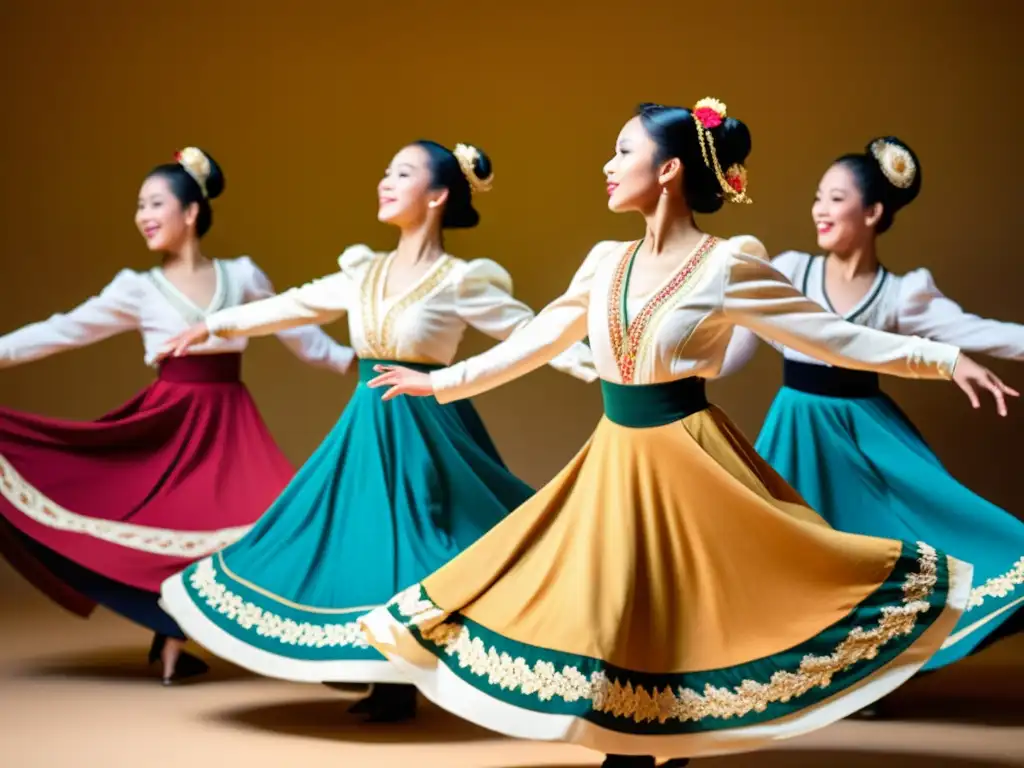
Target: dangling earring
x=433, y=204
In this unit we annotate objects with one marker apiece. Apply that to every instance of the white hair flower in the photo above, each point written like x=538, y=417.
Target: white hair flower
x=896, y=163
x=196, y=164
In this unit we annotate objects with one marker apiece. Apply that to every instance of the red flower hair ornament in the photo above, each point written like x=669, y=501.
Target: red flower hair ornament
x=709, y=114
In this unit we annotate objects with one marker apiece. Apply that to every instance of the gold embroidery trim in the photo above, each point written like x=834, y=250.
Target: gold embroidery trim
x=369, y=308
x=627, y=342
x=998, y=586
x=156, y=541
x=650, y=333
x=380, y=341
x=250, y=616
x=421, y=291
x=681, y=704
x=616, y=331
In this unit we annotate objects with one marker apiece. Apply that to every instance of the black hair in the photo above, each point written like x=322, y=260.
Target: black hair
x=674, y=130
x=187, y=190
x=445, y=172
x=873, y=185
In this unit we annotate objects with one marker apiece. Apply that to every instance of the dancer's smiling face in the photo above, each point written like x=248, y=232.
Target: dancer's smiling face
x=404, y=195
x=842, y=220
x=161, y=218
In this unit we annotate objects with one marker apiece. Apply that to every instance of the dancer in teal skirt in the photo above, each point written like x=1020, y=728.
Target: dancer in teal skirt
x=396, y=489
x=843, y=444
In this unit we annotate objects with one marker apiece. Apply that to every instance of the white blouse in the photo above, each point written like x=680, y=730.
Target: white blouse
x=684, y=328
x=424, y=323
x=149, y=303
x=908, y=304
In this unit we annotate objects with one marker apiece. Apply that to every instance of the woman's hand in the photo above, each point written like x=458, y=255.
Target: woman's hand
x=180, y=344
x=401, y=381
x=969, y=376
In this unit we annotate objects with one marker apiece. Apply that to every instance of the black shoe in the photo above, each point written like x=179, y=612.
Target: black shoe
x=364, y=705
x=870, y=712
x=187, y=665
x=628, y=761
x=157, y=647
x=361, y=707
x=390, y=703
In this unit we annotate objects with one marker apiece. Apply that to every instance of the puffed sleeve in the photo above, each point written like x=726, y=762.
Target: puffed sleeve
x=315, y=303
x=115, y=310
x=760, y=298
x=554, y=330
x=485, y=301
x=309, y=343
x=925, y=311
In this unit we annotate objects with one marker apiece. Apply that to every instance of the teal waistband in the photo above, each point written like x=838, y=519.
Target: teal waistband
x=366, y=371
x=652, y=405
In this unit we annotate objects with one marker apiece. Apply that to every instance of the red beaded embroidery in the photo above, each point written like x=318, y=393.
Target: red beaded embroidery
x=626, y=350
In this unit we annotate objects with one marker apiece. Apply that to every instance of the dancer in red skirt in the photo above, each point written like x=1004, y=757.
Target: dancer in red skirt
x=102, y=512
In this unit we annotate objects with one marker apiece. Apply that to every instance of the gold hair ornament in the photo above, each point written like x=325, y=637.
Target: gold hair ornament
x=896, y=163
x=707, y=114
x=468, y=155
x=196, y=165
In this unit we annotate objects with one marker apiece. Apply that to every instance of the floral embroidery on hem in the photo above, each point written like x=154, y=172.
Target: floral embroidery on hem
x=267, y=624
x=682, y=704
x=998, y=586
x=156, y=541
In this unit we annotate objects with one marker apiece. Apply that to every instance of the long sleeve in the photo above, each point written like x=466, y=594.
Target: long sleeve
x=315, y=303
x=760, y=298
x=925, y=311
x=115, y=310
x=309, y=343
x=554, y=330
x=485, y=301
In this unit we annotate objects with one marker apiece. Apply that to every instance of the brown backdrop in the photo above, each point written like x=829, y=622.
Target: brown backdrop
x=303, y=104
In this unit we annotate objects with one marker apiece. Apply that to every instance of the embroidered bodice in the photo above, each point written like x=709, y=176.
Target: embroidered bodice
x=684, y=327
x=149, y=303
x=908, y=304
x=424, y=323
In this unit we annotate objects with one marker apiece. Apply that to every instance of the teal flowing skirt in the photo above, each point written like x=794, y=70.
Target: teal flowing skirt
x=857, y=460
x=394, y=492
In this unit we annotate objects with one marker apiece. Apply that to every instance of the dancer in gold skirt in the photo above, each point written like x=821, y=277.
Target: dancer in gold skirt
x=667, y=593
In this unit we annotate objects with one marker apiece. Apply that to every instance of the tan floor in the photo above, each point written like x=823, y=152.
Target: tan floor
x=76, y=694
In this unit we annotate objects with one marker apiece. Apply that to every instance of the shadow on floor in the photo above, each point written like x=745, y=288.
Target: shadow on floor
x=817, y=759
x=127, y=663
x=813, y=758
x=329, y=720
x=990, y=695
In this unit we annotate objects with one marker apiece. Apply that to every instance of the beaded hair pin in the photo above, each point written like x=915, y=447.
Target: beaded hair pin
x=707, y=114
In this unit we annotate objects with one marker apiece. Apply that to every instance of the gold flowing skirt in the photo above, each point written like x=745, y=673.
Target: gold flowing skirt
x=669, y=594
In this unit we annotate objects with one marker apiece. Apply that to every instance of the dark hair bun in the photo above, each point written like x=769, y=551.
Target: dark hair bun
x=674, y=130
x=187, y=190
x=887, y=150
x=482, y=166
x=215, y=181
x=887, y=172
x=446, y=172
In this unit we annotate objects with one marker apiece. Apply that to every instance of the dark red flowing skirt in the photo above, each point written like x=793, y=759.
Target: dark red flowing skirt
x=97, y=511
